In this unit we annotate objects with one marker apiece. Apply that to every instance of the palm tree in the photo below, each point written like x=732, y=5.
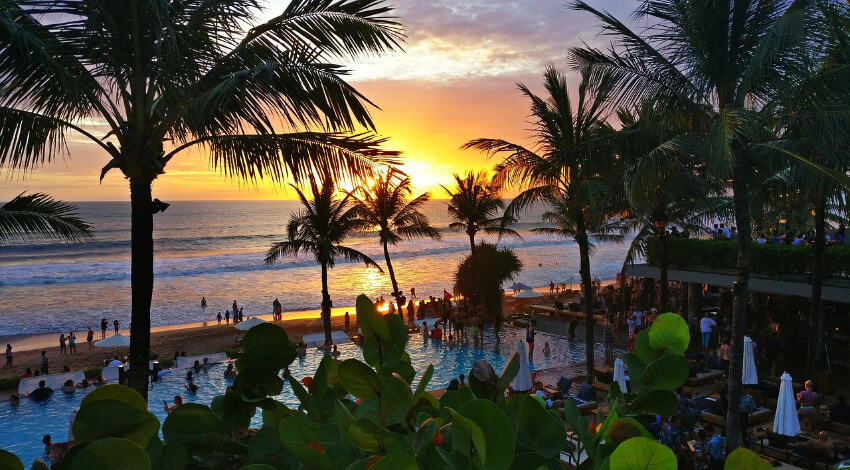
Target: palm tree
x=163, y=77
x=569, y=170
x=320, y=228
x=664, y=187
x=474, y=206
x=39, y=215
x=725, y=60
x=384, y=207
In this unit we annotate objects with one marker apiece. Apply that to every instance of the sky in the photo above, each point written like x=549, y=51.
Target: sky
x=455, y=81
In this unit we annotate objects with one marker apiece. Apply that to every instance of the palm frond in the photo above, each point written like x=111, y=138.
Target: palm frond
x=38, y=215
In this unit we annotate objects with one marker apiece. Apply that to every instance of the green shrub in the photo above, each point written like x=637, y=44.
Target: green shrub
x=10, y=383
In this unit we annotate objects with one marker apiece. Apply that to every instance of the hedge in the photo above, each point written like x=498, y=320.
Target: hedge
x=770, y=259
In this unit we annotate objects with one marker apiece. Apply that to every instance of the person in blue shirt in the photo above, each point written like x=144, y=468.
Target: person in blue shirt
x=748, y=405
x=715, y=448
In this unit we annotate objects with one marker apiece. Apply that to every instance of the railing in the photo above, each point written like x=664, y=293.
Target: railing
x=774, y=260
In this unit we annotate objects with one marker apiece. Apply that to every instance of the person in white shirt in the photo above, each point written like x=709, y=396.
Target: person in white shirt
x=706, y=326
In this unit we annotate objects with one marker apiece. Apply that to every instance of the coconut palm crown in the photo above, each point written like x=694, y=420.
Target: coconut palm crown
x=475, y=206
x=384, y=207
x=147, y=80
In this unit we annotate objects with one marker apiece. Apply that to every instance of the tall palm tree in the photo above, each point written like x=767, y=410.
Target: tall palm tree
x=163, y=77
x=385, y=208
x=474, y=206
x=664, y=188
x=725, y=59
x=39, y=215
x=569, y=170
x=320, y=228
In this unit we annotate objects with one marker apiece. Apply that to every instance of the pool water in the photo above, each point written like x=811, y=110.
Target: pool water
x=24, y=425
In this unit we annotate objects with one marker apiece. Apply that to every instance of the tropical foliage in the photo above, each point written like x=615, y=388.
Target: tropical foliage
x=389, y=423
x=156, y=78
x=479, y=278
x=320, y=228
x=384, y=207
x=38, y=215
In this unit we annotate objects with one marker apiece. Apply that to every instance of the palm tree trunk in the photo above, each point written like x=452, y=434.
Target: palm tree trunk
x=326, y=304
x=739, y=302
x=817, y=284
x=141, y=282
x=662, y=260
x=396, y=292
x=587, y=288
x=471, y=242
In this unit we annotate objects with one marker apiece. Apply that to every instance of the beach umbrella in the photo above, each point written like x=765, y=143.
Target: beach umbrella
x=786, y=421
x=750, y=375
x=518, y=287
x=249, y=323
x=522, y=382
x=114, y=341
x=528, y=294
x=620, y=374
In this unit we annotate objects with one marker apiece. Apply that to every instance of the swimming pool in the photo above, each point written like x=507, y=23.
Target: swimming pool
x=24, y=425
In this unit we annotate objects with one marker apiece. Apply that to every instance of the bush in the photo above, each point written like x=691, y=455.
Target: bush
x=10, y=383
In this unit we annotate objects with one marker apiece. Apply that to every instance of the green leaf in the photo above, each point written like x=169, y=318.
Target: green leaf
x=483, y=381
x=423, y=382
x=311, y=458
x=667, y=373
x=371, y=437
x=636, y=368
x=113, y=418
x=465, y=395
x=640, y=453
x=467, y=437
x=532, y=461
x=266, y=444
x=266, y=345
x=257, y=466
x=745, y=459
x=659, y=402
x=424, y=435
x=112, y=453
x=359, y=379
x=39, y=465
x=191, y=422
x=643, y=348
x=10, y=461
x=320, y=378
x=396, y=461
x=669, y=334
x=257, y=383
x=173, y=456
x=371, y=322
x=120, y=393
x=295, y=429
x=509, y=373
x=396, y=399
x=538, y=430
x=497, y=430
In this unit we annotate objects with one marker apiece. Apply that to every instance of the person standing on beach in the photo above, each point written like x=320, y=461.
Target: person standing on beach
x=347, y=321
x=227, y=317
x=90, y=337
x=115, y=325
x=72, y=343
x=218, y=317
x=529, y=338
x=235, y=309
x=62, y=344
x=103, y=326
x=8, y=364
x=44, y=363
x=241, y=318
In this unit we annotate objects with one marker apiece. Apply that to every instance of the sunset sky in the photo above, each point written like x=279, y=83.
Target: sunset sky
x=455, y=81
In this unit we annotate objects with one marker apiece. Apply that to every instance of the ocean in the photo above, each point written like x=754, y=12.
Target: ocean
x=217, y=249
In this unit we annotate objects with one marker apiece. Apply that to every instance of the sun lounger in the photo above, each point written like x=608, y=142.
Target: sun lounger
x=706, y=377
x=759, y=415
x=54, y=381
x=187, y=362
x=584, y=398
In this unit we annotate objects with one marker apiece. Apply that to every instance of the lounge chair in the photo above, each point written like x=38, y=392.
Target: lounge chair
x=584, y=398
x=703, y=378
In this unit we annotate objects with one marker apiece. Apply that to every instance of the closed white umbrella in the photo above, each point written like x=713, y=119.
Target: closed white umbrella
x=749, y=375
x=620, y=374
x=522, y=382
x=786, y=421
x=528, y=294
x=249, y=323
